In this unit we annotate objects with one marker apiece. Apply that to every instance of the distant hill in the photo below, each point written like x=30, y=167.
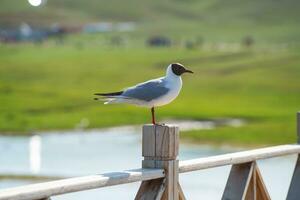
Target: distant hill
x=222, y=20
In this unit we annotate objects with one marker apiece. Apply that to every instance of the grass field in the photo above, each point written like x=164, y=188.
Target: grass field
x=50, y=87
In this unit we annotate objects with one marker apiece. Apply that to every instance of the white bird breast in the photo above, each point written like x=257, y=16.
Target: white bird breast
x=175, y=85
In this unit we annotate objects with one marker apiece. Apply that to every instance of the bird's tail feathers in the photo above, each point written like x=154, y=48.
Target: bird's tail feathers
x=112, y=98
x=108, y=97
x=111, y=94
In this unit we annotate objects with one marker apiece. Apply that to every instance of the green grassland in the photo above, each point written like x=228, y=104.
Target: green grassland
x=49, y=86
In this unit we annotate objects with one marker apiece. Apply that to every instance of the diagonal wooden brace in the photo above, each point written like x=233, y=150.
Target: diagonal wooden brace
x=294, y=192
x=245, y=183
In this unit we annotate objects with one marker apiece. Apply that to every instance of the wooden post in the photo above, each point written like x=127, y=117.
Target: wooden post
x=294, y=192
x=245, y=183
x=160, y=150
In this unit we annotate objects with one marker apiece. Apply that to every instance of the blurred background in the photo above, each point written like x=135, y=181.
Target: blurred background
x=55, y=54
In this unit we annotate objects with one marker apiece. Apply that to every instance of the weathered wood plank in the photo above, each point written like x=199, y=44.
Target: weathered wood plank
x=45, y=190
x=38, y=191
x=160, y=150
x=245, y=183
x=171, y=192
x=261, y=192
x=171, y=174
x=251, y=191
x=160, y=142
x=148, y=142
x=238, y=182
x=151, y=190
x=180, y=191
x=294, y=192
x=237, y=158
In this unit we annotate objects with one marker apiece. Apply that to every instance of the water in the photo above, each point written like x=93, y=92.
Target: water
x=94, y=152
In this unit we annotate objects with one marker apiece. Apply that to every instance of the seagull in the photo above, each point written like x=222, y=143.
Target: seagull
x=152, y=93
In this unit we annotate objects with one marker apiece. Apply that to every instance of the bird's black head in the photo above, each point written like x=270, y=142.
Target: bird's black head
x=179, y=69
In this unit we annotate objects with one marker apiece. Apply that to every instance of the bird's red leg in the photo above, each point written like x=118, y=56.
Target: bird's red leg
x=153, y=115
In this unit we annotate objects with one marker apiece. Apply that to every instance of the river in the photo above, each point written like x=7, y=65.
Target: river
x=77, y=153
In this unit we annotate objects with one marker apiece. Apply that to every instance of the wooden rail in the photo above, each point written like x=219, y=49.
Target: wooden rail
x=238, y=158
x=161, y=169
x=51, y=188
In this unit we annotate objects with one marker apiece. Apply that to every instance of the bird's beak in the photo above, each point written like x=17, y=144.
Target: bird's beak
x=188, y=71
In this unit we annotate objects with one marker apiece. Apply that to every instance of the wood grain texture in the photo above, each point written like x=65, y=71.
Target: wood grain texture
x=237, y=158
x=47, y=189
x=261, y=191
x=160, y=150
x=148, y=141
x=294, y=191
x=171, y=173
x=151, y=190
x=160, y=142
x=238, y=181
x=180, y=191
x=251, y=191
x=245, y=183
x=171, y=169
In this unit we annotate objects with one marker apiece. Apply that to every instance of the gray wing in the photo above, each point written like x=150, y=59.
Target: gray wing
x=147, y=91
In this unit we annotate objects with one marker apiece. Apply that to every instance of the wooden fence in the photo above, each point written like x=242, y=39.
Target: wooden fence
x=160, y=171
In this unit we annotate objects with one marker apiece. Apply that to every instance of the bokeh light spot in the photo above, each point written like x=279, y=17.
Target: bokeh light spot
x=35, y=2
